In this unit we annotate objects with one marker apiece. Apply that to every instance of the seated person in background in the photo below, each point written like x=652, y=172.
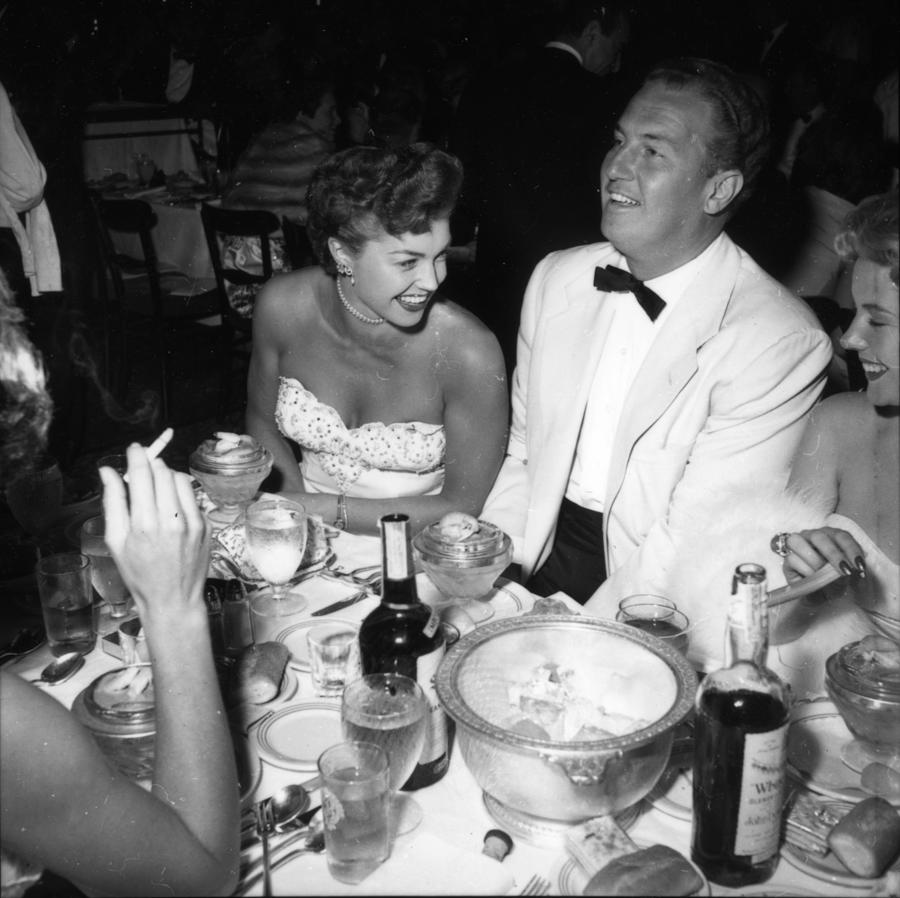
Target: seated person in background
x=396, y=397
x=841, y=159
x=850, y=453
x=274, y=173
x=63, y=807
x=636, y=407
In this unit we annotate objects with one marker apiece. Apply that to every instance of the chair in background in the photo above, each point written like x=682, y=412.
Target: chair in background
x=220, y=224
x=134, y=292
x=296, y=244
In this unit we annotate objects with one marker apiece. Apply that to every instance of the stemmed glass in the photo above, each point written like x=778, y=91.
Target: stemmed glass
x=105, y=576
x=276, y=532
x=390, y=710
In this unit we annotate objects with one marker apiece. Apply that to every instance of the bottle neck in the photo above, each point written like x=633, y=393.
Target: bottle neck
x=398, y=585
x=748, y=623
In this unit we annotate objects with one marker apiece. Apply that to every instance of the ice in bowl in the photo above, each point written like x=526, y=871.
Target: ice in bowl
x=230, y=467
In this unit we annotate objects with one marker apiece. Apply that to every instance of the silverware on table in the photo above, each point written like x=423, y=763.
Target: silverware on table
x=265, y=824
x=26, y=640
x=344, y=603
x=314, y=843
x=537, y=885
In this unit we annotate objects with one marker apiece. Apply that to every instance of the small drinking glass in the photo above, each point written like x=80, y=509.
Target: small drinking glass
x=64, y=585
x=390, y=710
x=355, y=809
x=105, y=574
x=333, y=657
x=276, y=531
x=657, y=616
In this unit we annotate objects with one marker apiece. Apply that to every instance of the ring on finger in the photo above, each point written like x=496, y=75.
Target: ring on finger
x=779, y=544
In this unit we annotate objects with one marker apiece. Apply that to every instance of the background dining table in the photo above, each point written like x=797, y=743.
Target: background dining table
x=444, y=854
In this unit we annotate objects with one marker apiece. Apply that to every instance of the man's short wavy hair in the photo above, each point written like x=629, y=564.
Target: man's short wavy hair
x=357, y=193
x=740, y=117
x=872, y=231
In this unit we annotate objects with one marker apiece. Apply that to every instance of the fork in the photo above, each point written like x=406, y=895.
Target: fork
x=265, y=823
x=537, y=885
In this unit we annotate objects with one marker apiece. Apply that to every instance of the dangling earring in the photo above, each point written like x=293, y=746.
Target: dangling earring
x=344, y=269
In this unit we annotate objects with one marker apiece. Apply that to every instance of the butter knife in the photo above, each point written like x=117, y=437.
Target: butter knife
x=343, y=603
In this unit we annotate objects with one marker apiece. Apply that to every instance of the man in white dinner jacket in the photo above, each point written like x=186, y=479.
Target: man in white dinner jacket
x=630, y=425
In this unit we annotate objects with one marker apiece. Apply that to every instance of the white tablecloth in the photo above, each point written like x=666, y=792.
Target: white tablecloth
x=106, y=155
x=451, y=835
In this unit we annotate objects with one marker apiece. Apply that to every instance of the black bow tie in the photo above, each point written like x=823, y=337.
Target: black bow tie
x=616, y=280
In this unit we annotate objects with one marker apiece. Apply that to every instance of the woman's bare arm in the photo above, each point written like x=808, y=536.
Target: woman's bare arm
x=62, y=805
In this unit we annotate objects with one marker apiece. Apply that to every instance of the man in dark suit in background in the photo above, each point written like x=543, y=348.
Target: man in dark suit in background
x=529, y=136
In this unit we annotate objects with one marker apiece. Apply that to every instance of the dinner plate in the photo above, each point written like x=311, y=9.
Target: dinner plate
x=673, y=794
x=571, y=877
x=294, y=637
x=294, y=737
x=816, y=738
x=828, y=868
x=249, y=767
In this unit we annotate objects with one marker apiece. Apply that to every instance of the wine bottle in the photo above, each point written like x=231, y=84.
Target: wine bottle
x=740, y=752
x=403, y=635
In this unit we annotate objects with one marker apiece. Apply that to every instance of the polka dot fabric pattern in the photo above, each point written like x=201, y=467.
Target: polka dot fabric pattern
x=346, y=454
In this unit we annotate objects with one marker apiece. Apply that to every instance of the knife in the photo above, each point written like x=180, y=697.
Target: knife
x=343, y=603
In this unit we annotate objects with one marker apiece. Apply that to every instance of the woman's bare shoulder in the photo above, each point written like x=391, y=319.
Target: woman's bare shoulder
x=843, y=411
x=290, y=298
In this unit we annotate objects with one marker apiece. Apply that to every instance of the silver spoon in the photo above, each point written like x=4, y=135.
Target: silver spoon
x=60, y=669
x=288, y=803
x=313, y=843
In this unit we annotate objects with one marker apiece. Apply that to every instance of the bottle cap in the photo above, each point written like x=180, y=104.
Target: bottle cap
x=497, y=844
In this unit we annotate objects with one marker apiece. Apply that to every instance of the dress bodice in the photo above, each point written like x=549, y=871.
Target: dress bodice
x=374, y=460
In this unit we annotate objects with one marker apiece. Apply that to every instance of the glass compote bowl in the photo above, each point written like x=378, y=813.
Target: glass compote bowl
x=464, y=566
x=230, y=468
x=276, y=531
x=390, y=710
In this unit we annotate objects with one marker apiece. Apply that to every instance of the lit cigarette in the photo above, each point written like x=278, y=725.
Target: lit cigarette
x=159, y=443
x=157, y=446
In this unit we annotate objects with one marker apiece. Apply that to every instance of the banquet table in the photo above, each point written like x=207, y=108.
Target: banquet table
x=115, y=132
x=443, y=855
x=178, y=236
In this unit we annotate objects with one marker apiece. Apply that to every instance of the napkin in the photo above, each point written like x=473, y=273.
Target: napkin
x=419, y=864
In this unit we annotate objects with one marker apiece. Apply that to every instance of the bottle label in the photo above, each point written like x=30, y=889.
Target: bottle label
x=762, y=792
x=396, y=551
x=432, y=624
x=436, y=731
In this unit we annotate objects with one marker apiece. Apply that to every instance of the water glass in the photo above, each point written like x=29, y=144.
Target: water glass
x=64, y=585
x=657, y=616
x=105, y=574
x=333, y=657
x=355, y=809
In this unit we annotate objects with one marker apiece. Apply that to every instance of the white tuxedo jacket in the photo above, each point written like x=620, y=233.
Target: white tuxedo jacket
x=720, y=401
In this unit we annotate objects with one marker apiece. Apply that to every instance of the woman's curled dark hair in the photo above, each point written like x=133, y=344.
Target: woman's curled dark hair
x=356, y=192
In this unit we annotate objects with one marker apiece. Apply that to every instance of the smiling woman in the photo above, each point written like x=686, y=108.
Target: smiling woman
x=396, y=397
x=849, y=454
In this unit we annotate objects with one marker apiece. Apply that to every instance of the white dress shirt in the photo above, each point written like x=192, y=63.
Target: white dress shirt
x=627, y=343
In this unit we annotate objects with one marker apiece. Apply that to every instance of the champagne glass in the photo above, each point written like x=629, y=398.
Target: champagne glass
x=105, y=576
x=276, y=532
x=390, y=710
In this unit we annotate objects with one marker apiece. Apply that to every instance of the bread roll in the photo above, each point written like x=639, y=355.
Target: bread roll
x=658, y=870
x=867, y=839
x=259, y=672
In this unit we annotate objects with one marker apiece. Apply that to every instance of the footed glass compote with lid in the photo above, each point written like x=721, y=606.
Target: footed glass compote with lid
x=230, y=467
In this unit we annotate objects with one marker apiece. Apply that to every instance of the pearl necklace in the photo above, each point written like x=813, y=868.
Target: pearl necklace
x=354, y=312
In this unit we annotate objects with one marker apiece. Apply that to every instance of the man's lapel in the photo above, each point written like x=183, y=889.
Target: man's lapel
x=672, y=359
